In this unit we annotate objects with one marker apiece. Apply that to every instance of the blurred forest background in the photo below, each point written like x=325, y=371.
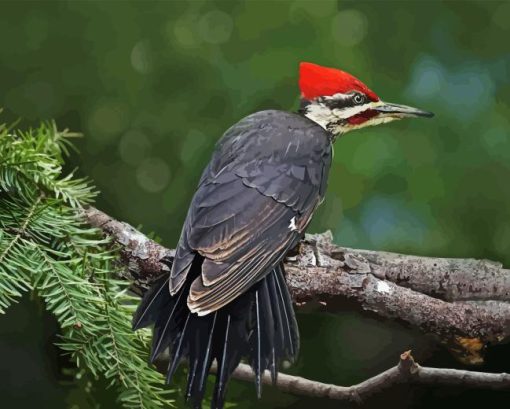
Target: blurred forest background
x=153, y=85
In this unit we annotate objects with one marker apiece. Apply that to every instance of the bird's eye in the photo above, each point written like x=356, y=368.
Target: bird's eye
x=358, y=99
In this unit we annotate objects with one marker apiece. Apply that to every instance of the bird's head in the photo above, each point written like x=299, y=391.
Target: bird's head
x=339, y=102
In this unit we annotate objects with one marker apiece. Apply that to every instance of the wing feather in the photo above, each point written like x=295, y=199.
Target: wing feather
x=254, y=199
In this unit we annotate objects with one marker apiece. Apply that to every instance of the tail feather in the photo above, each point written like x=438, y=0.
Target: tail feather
x=259, y=325
x=208, y=355
x=263, y=337
x=152, y=304
x=256, y=363
x=192, y=372
x=273, y=368
x=227, y=360
x=289, y=319
x=280, y=340
x=269, y=331
x=166, y=326
x=178, y=351
x=201, y=354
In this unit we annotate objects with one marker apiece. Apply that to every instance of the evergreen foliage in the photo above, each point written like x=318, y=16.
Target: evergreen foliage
x=46, y=247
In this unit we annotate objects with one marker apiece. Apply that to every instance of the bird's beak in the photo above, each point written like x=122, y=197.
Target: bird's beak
x=401, y=111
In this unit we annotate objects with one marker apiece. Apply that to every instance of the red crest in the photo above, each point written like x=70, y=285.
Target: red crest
x=317, y=81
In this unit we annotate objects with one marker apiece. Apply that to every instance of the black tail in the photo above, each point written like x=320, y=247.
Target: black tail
x=259, y=325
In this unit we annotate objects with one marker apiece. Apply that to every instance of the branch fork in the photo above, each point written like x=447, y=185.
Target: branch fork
x=406, y=371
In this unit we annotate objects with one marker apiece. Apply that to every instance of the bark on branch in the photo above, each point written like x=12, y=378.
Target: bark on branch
x=462, y=301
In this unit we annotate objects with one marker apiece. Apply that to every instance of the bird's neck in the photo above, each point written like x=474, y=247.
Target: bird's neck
x=323, y=116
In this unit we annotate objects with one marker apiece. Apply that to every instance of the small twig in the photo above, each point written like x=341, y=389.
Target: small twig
x=406, y=371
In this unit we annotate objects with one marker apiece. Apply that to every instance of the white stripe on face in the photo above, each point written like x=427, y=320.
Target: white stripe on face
x=334, y=119
x=320, y=112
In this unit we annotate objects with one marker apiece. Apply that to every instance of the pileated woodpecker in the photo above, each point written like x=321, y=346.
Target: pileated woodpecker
x=225, y=298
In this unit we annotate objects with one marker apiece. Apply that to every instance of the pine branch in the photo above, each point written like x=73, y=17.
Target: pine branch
x=45, y=246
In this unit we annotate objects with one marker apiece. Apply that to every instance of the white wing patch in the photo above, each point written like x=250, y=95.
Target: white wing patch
x=292, y=225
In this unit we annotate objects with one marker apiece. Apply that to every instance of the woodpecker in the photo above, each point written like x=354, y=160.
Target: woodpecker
x=225, y=298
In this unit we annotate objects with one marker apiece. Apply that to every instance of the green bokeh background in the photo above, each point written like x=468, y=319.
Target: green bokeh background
x=153, y=85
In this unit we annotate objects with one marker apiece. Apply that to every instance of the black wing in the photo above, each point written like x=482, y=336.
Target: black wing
x=258, y=194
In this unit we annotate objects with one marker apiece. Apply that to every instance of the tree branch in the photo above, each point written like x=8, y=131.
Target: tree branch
x=388, y=284
x=406, y=371
x=460, y=300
